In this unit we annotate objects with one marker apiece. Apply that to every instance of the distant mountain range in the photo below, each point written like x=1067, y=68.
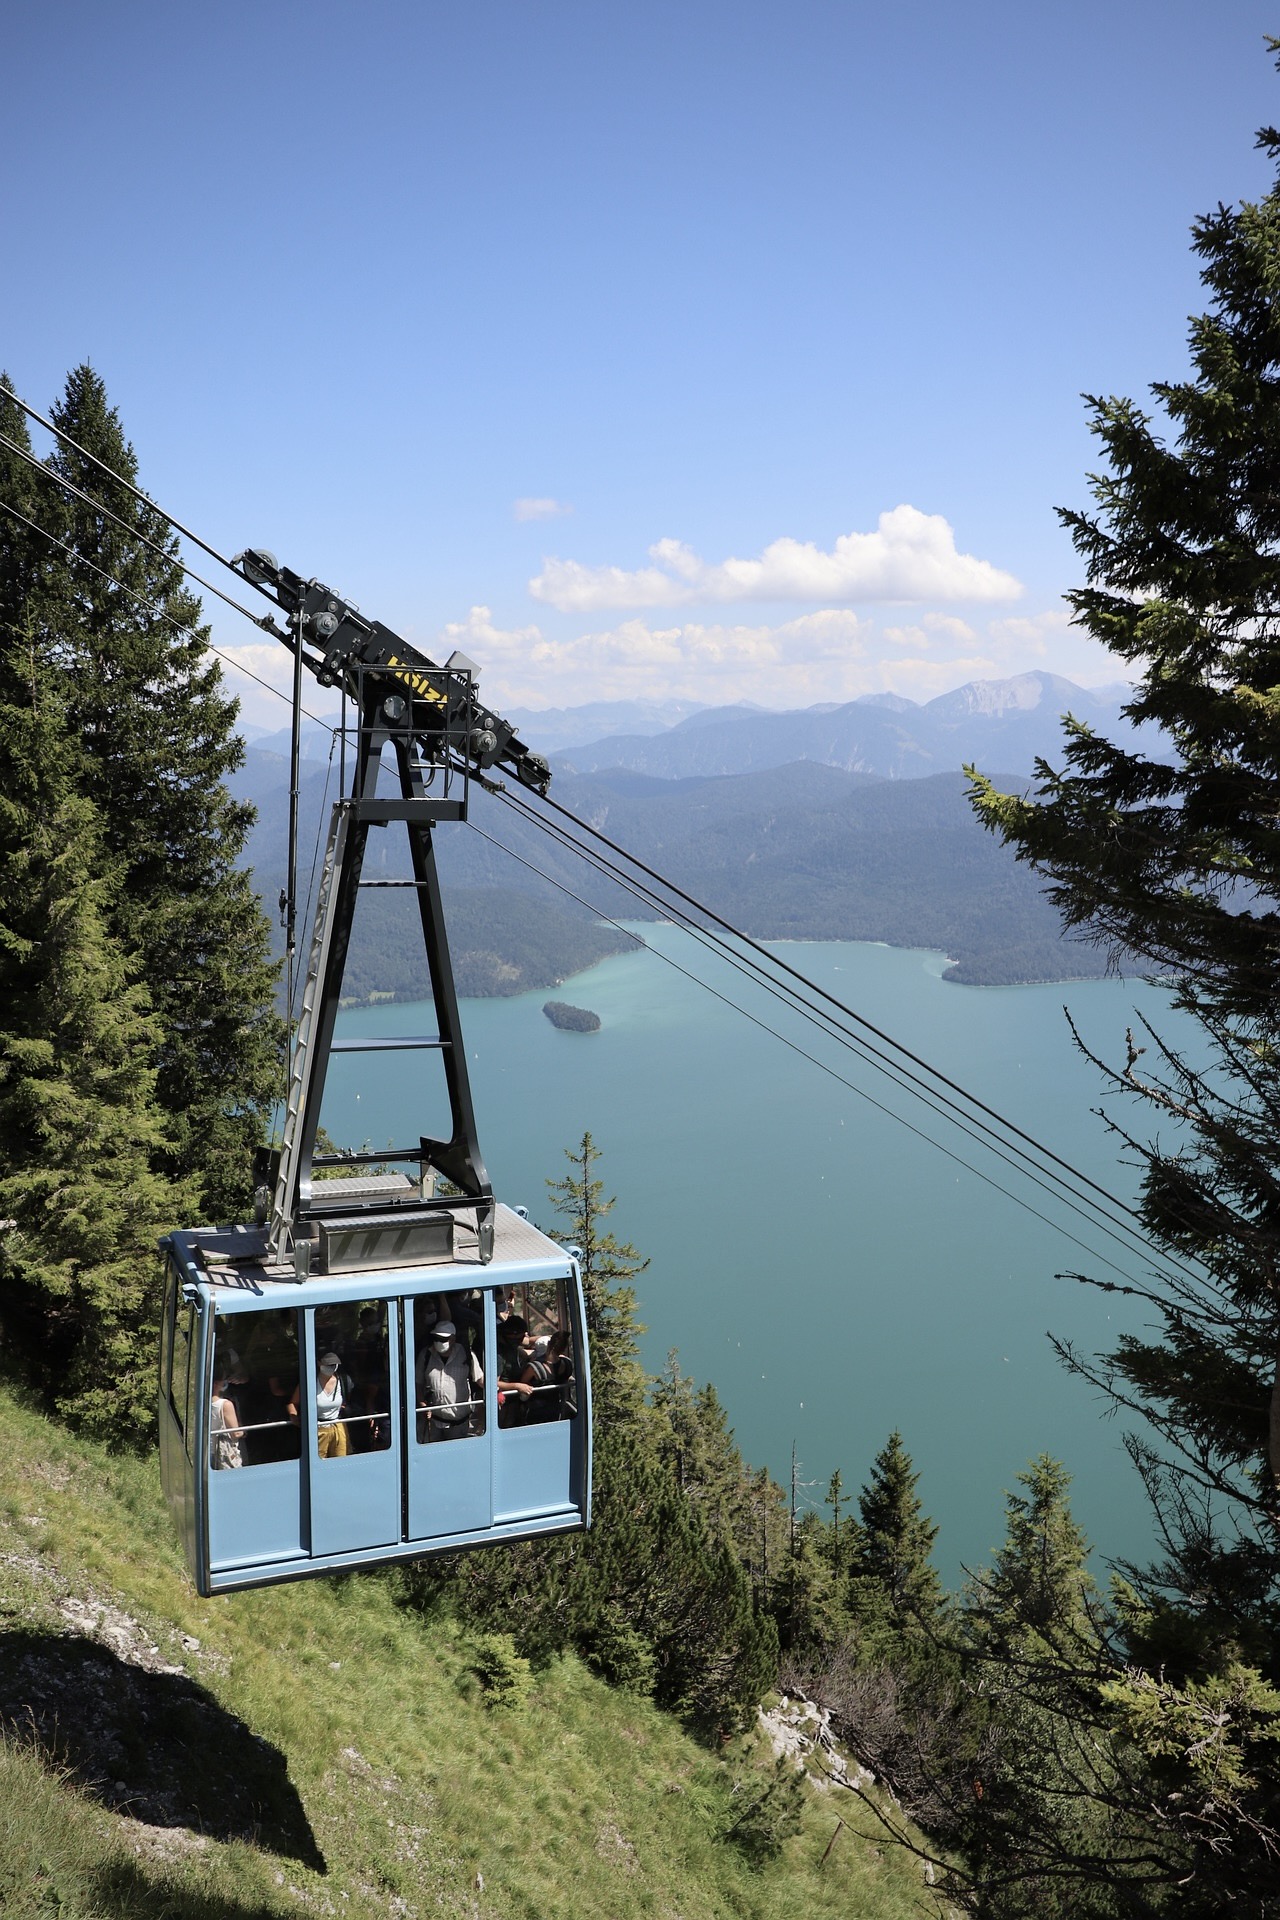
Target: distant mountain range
x=995, y=723
x=803, y=850
x=551, y=729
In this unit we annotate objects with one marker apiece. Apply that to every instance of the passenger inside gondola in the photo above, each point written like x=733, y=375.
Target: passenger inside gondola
x=369, y=1421
x=512, y=1391
x=450, y=1381
x=331, y=1396
x=224, y=1422
x=270, y=1362
x=537, y=1381
x=548, y=1370
x=248, y=1349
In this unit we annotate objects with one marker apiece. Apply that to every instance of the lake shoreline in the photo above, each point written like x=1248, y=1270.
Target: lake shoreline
x=913, y=1294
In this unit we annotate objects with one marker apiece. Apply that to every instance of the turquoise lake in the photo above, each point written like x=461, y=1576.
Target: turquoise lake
x=835, y=1275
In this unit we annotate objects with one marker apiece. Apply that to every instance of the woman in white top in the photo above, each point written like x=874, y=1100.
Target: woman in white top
x=224, y=1428
x=331, y=1434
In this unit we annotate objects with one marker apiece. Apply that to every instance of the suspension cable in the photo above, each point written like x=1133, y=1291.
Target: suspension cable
x=812, y=986
x=60, y=433
x=262, y=620
x=874, y=1056
x=1130, y=1237
x=825, y=1067
x=227, y=659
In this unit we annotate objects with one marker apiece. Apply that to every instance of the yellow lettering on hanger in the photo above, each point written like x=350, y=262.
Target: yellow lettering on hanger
x=418, y=681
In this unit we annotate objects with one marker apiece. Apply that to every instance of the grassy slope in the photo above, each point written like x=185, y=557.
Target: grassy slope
x=339, y=1756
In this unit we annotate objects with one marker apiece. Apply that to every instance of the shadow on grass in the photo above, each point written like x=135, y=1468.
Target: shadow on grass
x=125, y=1892
x=156, y=1746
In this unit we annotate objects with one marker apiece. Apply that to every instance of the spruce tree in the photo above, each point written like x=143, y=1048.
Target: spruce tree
x=148, y=705
x=837, y=1542
x=895, y=1579
x=80, y=1207
x=1175, y=858
x=1039, y=1583
x=609, y=1267
x=695, y=1438
x=1046, y=1783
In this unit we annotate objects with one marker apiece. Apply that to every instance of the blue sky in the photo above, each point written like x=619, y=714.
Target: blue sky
x=720, y=351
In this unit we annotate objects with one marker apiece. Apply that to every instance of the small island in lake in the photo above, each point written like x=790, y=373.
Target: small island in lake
x=571, y=1019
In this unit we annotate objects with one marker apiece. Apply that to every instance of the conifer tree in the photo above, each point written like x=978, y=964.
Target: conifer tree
x=1176, y=859
x=893, y=1573
x=838, y=1544
x=1046, y=1785
x=695, y=1438
x=1040, y=1582
x=79, y=1203
x=157, y=729
x=609, y=1267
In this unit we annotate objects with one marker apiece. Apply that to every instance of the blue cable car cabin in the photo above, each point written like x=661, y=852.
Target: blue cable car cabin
x=305, y=1427
x=353, y=1380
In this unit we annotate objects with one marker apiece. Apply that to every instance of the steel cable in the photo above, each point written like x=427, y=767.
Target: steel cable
x=937, y=1101
x=262, y=620
x=228, y=660
x=824, y=1067
x=61, y=434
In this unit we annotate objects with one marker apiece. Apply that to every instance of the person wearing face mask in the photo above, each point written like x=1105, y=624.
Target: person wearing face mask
x=450, y=1386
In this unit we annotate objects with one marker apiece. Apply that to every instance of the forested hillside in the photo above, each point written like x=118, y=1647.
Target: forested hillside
x=801, y=852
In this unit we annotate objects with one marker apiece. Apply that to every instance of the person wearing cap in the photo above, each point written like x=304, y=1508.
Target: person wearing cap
x=450, y=1381
x=331, y=1434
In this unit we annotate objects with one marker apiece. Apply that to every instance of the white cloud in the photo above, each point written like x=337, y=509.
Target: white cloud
x=947, y=624
x=1037, y=630
x=788, y=665
x=829, y=654
x=540, y=509
x=934, y=629
x=477, y=633
x=910, y=557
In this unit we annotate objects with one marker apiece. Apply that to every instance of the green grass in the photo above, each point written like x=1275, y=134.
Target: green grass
x=324, y=1752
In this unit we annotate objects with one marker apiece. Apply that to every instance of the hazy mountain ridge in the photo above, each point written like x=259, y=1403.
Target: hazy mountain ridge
x=1004, y=723
x=810, y=852
x=805, y=851
x=552, y=729
x=844, y=822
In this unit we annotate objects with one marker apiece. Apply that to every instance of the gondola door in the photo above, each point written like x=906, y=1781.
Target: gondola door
x=256, y=1513
x=351, y=1425
x=450, y=1439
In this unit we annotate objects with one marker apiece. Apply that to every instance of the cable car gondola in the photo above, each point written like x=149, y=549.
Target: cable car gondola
x=274, y=1498
x=386, y=1363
